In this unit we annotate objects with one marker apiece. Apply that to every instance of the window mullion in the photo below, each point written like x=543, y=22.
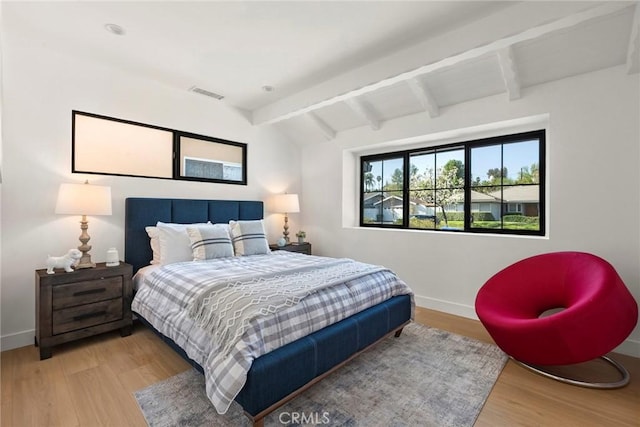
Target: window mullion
x=467, y=188
x=405, y=191
x=502, y=204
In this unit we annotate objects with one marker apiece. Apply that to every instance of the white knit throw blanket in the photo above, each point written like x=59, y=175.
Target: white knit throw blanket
x=225, y=309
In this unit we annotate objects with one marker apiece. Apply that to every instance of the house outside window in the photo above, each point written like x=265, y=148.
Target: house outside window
x=493, y=185
x=514, y=207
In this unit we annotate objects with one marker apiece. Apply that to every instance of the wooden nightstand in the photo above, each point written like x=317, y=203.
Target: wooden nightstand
x=86, y=302
x=303, y=248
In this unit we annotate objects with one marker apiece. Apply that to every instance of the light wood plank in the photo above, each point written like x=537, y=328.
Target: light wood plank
x=91, y=382
x=7, y=365
x=522, y=398
x=32, y=382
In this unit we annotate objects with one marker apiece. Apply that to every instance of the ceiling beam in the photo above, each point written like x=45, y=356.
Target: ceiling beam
x=633, y=50
x=326, y=130
x=422, y=93
x=492, y=48
x=509, y=72
x=364, y=112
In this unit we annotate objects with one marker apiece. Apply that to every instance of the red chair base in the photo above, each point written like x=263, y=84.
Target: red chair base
x=623, y=381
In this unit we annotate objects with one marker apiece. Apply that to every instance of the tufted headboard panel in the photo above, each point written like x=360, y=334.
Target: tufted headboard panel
x=141, y=212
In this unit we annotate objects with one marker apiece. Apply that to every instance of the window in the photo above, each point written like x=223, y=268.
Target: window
x=493, y=185
x=383, y=191
x=104, y=145
x=204, y=158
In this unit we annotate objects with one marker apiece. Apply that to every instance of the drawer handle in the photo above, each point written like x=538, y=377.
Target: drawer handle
x=89, y=315
x=89, y=292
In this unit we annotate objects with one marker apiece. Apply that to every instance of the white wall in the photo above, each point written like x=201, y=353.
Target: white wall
x=593, y=164
x=41, y=87
x=1, y=167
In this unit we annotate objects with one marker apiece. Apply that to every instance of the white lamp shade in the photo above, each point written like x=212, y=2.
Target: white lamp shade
x=285, y=203
x=84, y=199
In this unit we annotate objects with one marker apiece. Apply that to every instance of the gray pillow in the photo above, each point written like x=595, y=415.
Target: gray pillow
x=210, y=241
x=249, y=238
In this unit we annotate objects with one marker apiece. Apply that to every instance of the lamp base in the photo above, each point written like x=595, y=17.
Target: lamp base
x=81, y=266
x=85, y=262
x=285, y=231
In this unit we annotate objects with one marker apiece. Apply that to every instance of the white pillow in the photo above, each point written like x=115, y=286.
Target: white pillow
x=175, y=245
x=154, y=238
x=248, y=237
x=210, y=241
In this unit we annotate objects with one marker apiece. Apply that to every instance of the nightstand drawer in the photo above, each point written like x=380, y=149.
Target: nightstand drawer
x=86, y=292
x=303, y=248
x=87, y=315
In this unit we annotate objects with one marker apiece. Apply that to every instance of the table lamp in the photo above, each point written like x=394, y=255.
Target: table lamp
x=286, y=204
x=84, y=199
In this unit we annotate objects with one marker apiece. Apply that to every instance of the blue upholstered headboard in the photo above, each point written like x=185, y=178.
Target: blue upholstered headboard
x=142, y=212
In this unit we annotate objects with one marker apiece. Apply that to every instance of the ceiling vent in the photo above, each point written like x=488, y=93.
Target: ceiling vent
x=206, y=93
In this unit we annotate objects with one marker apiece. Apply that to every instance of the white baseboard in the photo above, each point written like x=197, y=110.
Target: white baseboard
x=17, y=340
x=446, y=307
x=629, y=347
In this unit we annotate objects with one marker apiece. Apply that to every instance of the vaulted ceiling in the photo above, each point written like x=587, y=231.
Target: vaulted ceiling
x=333, y=66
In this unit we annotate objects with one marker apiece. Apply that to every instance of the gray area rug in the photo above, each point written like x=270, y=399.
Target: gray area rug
x=426, y=377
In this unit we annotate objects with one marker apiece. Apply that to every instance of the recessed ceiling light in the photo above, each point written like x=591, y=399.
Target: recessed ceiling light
x=114, y=29
x=267, y=88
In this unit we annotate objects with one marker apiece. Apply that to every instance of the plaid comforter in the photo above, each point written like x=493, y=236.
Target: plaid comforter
x=164, y=296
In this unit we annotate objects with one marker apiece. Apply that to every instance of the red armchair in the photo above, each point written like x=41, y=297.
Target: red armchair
x=597, y=311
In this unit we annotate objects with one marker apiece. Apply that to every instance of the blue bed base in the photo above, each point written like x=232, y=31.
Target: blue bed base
x=280, y=375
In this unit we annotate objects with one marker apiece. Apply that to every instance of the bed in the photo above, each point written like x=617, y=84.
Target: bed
x=275, y=375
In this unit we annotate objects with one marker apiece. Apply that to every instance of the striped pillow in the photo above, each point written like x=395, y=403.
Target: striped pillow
x=248, y=237
x=210, y=241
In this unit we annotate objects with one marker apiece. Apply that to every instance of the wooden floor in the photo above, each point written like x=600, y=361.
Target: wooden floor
x=90, y=383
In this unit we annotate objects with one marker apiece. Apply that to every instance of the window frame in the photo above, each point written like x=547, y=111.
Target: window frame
x=382, y=158
x=173, y=156
x=467, y=147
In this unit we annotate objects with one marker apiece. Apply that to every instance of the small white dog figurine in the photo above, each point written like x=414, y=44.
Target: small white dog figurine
x=66, y=261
